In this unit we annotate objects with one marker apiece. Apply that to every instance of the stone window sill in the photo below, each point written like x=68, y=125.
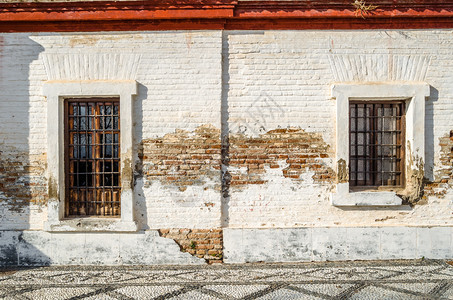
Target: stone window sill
x=343, y=197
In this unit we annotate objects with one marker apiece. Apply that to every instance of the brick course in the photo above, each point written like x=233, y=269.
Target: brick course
x=182, y=158
x=301, y=151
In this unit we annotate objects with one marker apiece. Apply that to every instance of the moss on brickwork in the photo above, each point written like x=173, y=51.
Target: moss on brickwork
x=202, y=243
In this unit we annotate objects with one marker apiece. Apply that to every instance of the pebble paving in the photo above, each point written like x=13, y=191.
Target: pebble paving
x=409, y=279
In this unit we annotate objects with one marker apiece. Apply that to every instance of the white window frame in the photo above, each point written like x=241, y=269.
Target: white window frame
x=56, y=92
x=415, y=94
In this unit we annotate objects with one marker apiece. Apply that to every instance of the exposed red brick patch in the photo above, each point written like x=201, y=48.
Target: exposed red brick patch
x=299, y=150
x=182, y=158
x=202, y=243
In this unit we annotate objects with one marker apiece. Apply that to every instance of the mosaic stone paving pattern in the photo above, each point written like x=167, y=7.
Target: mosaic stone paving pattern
x=414, y=279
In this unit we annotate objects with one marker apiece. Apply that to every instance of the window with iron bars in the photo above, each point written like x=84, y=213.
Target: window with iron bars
x=92, y=157
x=376, y=144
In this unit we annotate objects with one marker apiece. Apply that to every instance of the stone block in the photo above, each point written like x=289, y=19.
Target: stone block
x=35, y=248
x=102, y=249
x=270, y=245
x=330, y=243
x=363, y=243
x=435, y=242
x=9, y=241
x=68, y=248
x=398, y=242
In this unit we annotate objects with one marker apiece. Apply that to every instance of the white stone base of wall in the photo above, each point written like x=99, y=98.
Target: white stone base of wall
x=336, y=244
x=37, y=248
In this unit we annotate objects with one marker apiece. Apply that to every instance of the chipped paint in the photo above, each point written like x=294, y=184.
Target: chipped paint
x=52, y=188
x=126, y=171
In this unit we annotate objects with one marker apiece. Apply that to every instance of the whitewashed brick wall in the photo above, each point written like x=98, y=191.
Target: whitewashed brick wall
x=271, y=79
x=294, y=69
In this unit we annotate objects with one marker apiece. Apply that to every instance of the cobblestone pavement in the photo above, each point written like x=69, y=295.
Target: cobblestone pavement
x=352, y=280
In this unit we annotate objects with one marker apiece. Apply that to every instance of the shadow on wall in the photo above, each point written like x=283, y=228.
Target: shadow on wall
x=23, y=186
x=429, y=133
x=225, y=134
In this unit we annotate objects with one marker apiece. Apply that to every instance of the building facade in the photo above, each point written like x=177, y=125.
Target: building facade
x=197, y=132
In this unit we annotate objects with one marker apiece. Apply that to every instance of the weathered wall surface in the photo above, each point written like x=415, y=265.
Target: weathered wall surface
x=35, y=248
x=23, y=185
x=336, y=243
x=280, y=79
x=179, y=76
x=233, y=129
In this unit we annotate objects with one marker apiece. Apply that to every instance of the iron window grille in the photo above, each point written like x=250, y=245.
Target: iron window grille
x=92, y=160
x=376, y=144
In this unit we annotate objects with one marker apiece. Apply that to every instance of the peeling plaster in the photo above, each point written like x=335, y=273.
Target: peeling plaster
x=22, y=178
x=250, y=157
x=443, y=181
x=415, y=167
x=182, y=160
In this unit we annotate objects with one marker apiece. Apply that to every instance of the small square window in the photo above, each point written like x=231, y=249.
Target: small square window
x=376, y=145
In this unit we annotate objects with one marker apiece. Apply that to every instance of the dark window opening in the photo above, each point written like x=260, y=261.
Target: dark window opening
x=92, y=157
x=376, y=144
